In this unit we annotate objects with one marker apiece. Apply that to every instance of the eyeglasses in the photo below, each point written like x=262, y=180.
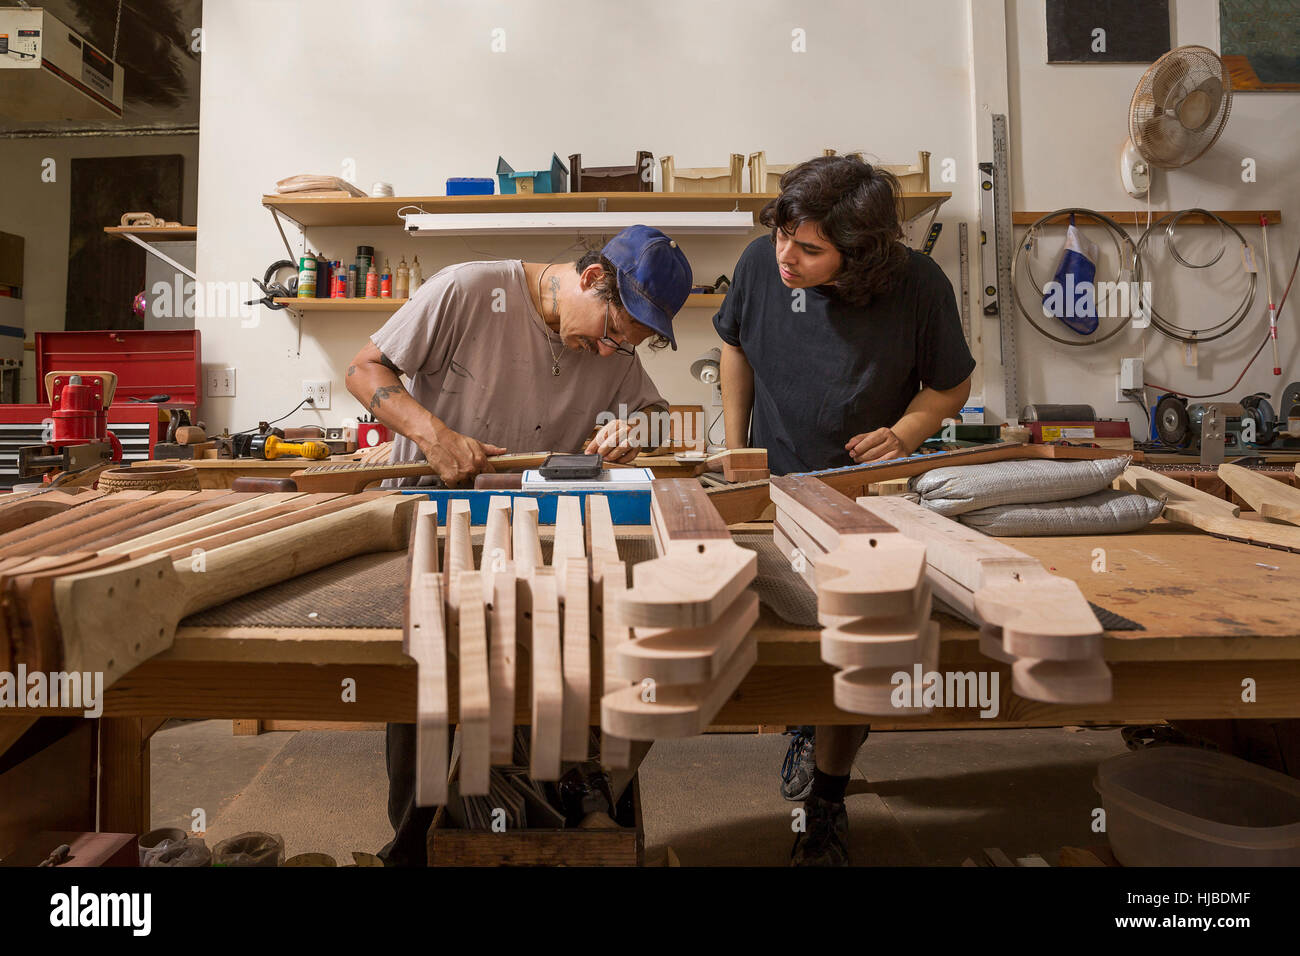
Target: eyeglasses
x=622, y=348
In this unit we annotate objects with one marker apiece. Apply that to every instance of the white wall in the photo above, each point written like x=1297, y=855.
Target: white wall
x=1068, y=123
x=415, y=95
x=38, y=211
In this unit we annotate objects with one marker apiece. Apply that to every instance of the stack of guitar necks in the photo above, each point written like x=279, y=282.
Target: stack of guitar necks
x=96, y=582
x=667, y=652
x=681, y=644
x=874, y=567
x=873, y=599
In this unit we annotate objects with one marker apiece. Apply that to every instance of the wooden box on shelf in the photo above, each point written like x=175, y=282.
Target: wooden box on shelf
x=702, y=179
x=612, y=179
x=914, y=178
x=766, y=178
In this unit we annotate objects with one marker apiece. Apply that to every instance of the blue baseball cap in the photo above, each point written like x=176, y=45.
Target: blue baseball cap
x=654, y=276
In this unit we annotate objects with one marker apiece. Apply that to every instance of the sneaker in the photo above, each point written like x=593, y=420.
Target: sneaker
x=798, y=766
x=825, y=841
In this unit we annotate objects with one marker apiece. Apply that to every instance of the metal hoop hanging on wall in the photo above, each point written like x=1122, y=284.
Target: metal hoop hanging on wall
x=1169, y=222
x=1123, y=245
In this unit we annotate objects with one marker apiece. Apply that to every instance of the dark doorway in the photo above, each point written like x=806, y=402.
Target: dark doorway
x=105, y=272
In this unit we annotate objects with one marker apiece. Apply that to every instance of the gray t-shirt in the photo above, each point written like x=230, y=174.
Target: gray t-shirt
x=476, y=354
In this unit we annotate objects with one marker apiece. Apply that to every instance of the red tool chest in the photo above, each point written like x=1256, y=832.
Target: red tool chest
x=146, y=362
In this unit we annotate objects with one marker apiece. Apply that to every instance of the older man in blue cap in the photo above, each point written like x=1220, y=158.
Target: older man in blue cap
x=525, y=356
x=518, y=356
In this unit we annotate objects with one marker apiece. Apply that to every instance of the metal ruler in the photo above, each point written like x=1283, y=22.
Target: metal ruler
x=963, y=258
x=1004, y=241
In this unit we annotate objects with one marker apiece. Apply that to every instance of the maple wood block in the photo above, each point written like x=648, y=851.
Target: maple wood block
x=577, y=658
x=527, y=547
x=852, y=641
x=870, y=690
x=503, y=662
x=678, y=710
x=991, y=644
x=427, y=644
x=547, y=677
x=686, y=655
x=1271, y=498
x=688, y=590
x=608, y=586
x=1062, y=682
x=474, y=705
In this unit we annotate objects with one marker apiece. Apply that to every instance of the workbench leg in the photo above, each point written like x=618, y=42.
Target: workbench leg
x=245, y=728
x=124, y=774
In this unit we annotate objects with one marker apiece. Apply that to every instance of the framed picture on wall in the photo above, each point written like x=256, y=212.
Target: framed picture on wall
x=1259, y=41
x=1107, y=31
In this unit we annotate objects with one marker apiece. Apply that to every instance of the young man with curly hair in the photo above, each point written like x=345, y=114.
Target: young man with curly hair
x=840, y=346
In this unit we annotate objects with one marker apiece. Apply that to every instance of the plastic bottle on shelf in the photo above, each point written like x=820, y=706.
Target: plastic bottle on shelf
x=417, y=277
x=372, y=283
x=386, y=282
x=402, y=281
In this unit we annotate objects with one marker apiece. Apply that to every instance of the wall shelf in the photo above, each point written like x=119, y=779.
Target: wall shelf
x=343, y=305
x=143, y=236
x=695, y=300
x=382, y=211
x=1137, y=217
x=156, y=233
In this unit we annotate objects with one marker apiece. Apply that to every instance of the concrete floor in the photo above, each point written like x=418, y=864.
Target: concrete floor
x=916, y=798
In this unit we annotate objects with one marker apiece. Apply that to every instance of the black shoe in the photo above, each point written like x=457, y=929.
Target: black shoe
x=825, y=841
x=798, y=766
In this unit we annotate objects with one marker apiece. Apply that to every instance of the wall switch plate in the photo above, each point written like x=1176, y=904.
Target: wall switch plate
x=717, y=393
x=1130, y=373
x=318, y=390
x=220, y=383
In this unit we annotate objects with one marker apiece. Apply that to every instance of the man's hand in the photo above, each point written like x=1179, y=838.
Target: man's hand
x=458, y=458
x=613, y=443
x=880, y=445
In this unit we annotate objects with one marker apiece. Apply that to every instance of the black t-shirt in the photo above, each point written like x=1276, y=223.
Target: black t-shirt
x=835, y=370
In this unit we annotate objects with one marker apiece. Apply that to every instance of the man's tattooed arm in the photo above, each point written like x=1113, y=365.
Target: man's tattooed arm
x=388, y=363
x=382, y=393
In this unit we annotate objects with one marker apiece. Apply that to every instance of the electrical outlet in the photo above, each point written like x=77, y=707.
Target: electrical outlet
x=221, y=383
x=1130, y=373
x=717, y=393
x=318, y=391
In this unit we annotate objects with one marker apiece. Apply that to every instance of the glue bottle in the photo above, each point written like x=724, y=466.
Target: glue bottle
x=372, y=283
x=386, y=282
x=417, y=277
x=402, y=281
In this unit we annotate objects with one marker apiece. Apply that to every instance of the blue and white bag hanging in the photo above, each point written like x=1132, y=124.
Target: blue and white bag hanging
x=1071, y=295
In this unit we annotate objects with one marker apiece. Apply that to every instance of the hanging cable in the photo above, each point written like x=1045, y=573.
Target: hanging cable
x=1262, y=345
x=1220, y=329
x=1123, y=245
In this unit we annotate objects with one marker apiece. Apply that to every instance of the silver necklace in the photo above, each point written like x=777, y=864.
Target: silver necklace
x=555, y=359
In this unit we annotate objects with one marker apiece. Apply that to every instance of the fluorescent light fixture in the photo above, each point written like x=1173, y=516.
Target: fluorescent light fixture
x=576, y=223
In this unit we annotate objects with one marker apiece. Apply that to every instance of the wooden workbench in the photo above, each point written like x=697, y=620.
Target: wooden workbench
x=1213, y=616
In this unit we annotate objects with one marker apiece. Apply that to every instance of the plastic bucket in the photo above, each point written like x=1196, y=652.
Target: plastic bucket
x=1181, y=806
